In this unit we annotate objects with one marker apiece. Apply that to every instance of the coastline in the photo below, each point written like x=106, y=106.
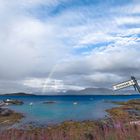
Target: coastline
x=122, y=118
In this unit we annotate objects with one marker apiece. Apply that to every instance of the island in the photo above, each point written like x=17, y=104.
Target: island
x=49, y=102
x=18, y=94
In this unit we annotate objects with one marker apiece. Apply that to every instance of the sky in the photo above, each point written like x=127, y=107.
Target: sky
x=58, y=45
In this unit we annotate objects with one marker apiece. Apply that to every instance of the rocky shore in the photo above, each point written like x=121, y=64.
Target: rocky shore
x=129, y=110
x=12, y=102
x=7, y=116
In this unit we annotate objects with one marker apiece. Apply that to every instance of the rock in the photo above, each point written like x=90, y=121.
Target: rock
x=15, y=102
x=49, y=102
x=2, y=104
x=5, y=112
x=9, y=117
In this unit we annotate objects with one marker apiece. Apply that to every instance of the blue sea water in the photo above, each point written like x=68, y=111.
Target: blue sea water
x=89, y=107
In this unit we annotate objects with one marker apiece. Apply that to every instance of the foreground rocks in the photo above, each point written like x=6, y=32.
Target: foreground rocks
x=9, y=117
x=5, y=112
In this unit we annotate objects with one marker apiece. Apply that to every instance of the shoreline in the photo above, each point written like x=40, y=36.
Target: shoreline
x=10, y=118
x=125, y=117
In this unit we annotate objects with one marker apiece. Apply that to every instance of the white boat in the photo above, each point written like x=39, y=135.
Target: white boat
x=31, y=104
x=75, y=103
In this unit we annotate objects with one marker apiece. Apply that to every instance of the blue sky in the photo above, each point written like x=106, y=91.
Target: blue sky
x=57, y=45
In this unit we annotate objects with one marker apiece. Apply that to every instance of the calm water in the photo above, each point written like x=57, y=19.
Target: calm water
x=87, y=107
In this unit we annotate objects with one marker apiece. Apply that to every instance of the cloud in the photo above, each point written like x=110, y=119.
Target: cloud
x=49, y=85
x=67, y=44
x=27, y=42
x=104, y=66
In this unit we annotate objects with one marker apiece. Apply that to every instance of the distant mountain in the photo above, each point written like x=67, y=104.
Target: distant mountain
x=99, y=91
x=19, y=94
x=86, y=91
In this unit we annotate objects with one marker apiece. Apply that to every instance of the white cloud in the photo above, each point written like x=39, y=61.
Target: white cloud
x=27, y=44
x=127, y=20
x=49, y=85
x=31, y=47
x=101, y=78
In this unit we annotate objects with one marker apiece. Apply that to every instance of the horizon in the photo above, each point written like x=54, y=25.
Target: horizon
x=79, y=92
x=49, y=46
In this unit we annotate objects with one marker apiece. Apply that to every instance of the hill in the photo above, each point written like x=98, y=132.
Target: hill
x=19, y=94
x=99, y=91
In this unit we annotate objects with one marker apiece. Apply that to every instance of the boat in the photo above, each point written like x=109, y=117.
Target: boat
x=31, y=104
x=75, y=103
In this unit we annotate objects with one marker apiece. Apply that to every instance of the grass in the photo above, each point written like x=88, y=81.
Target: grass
x=69, y=131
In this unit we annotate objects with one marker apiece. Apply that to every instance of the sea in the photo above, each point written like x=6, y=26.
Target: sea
x=65, y=108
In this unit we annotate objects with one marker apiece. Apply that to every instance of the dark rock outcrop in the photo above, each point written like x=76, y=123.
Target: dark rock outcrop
x=15, y=102
x=5, y=112
x=49, y=102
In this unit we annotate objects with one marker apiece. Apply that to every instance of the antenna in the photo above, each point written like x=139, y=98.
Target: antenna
x=136, y=86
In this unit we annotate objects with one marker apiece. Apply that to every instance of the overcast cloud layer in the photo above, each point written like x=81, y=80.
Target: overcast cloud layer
x=57, y=45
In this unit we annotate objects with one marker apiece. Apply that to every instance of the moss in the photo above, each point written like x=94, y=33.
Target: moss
x=126, y=110
x=118, y=113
